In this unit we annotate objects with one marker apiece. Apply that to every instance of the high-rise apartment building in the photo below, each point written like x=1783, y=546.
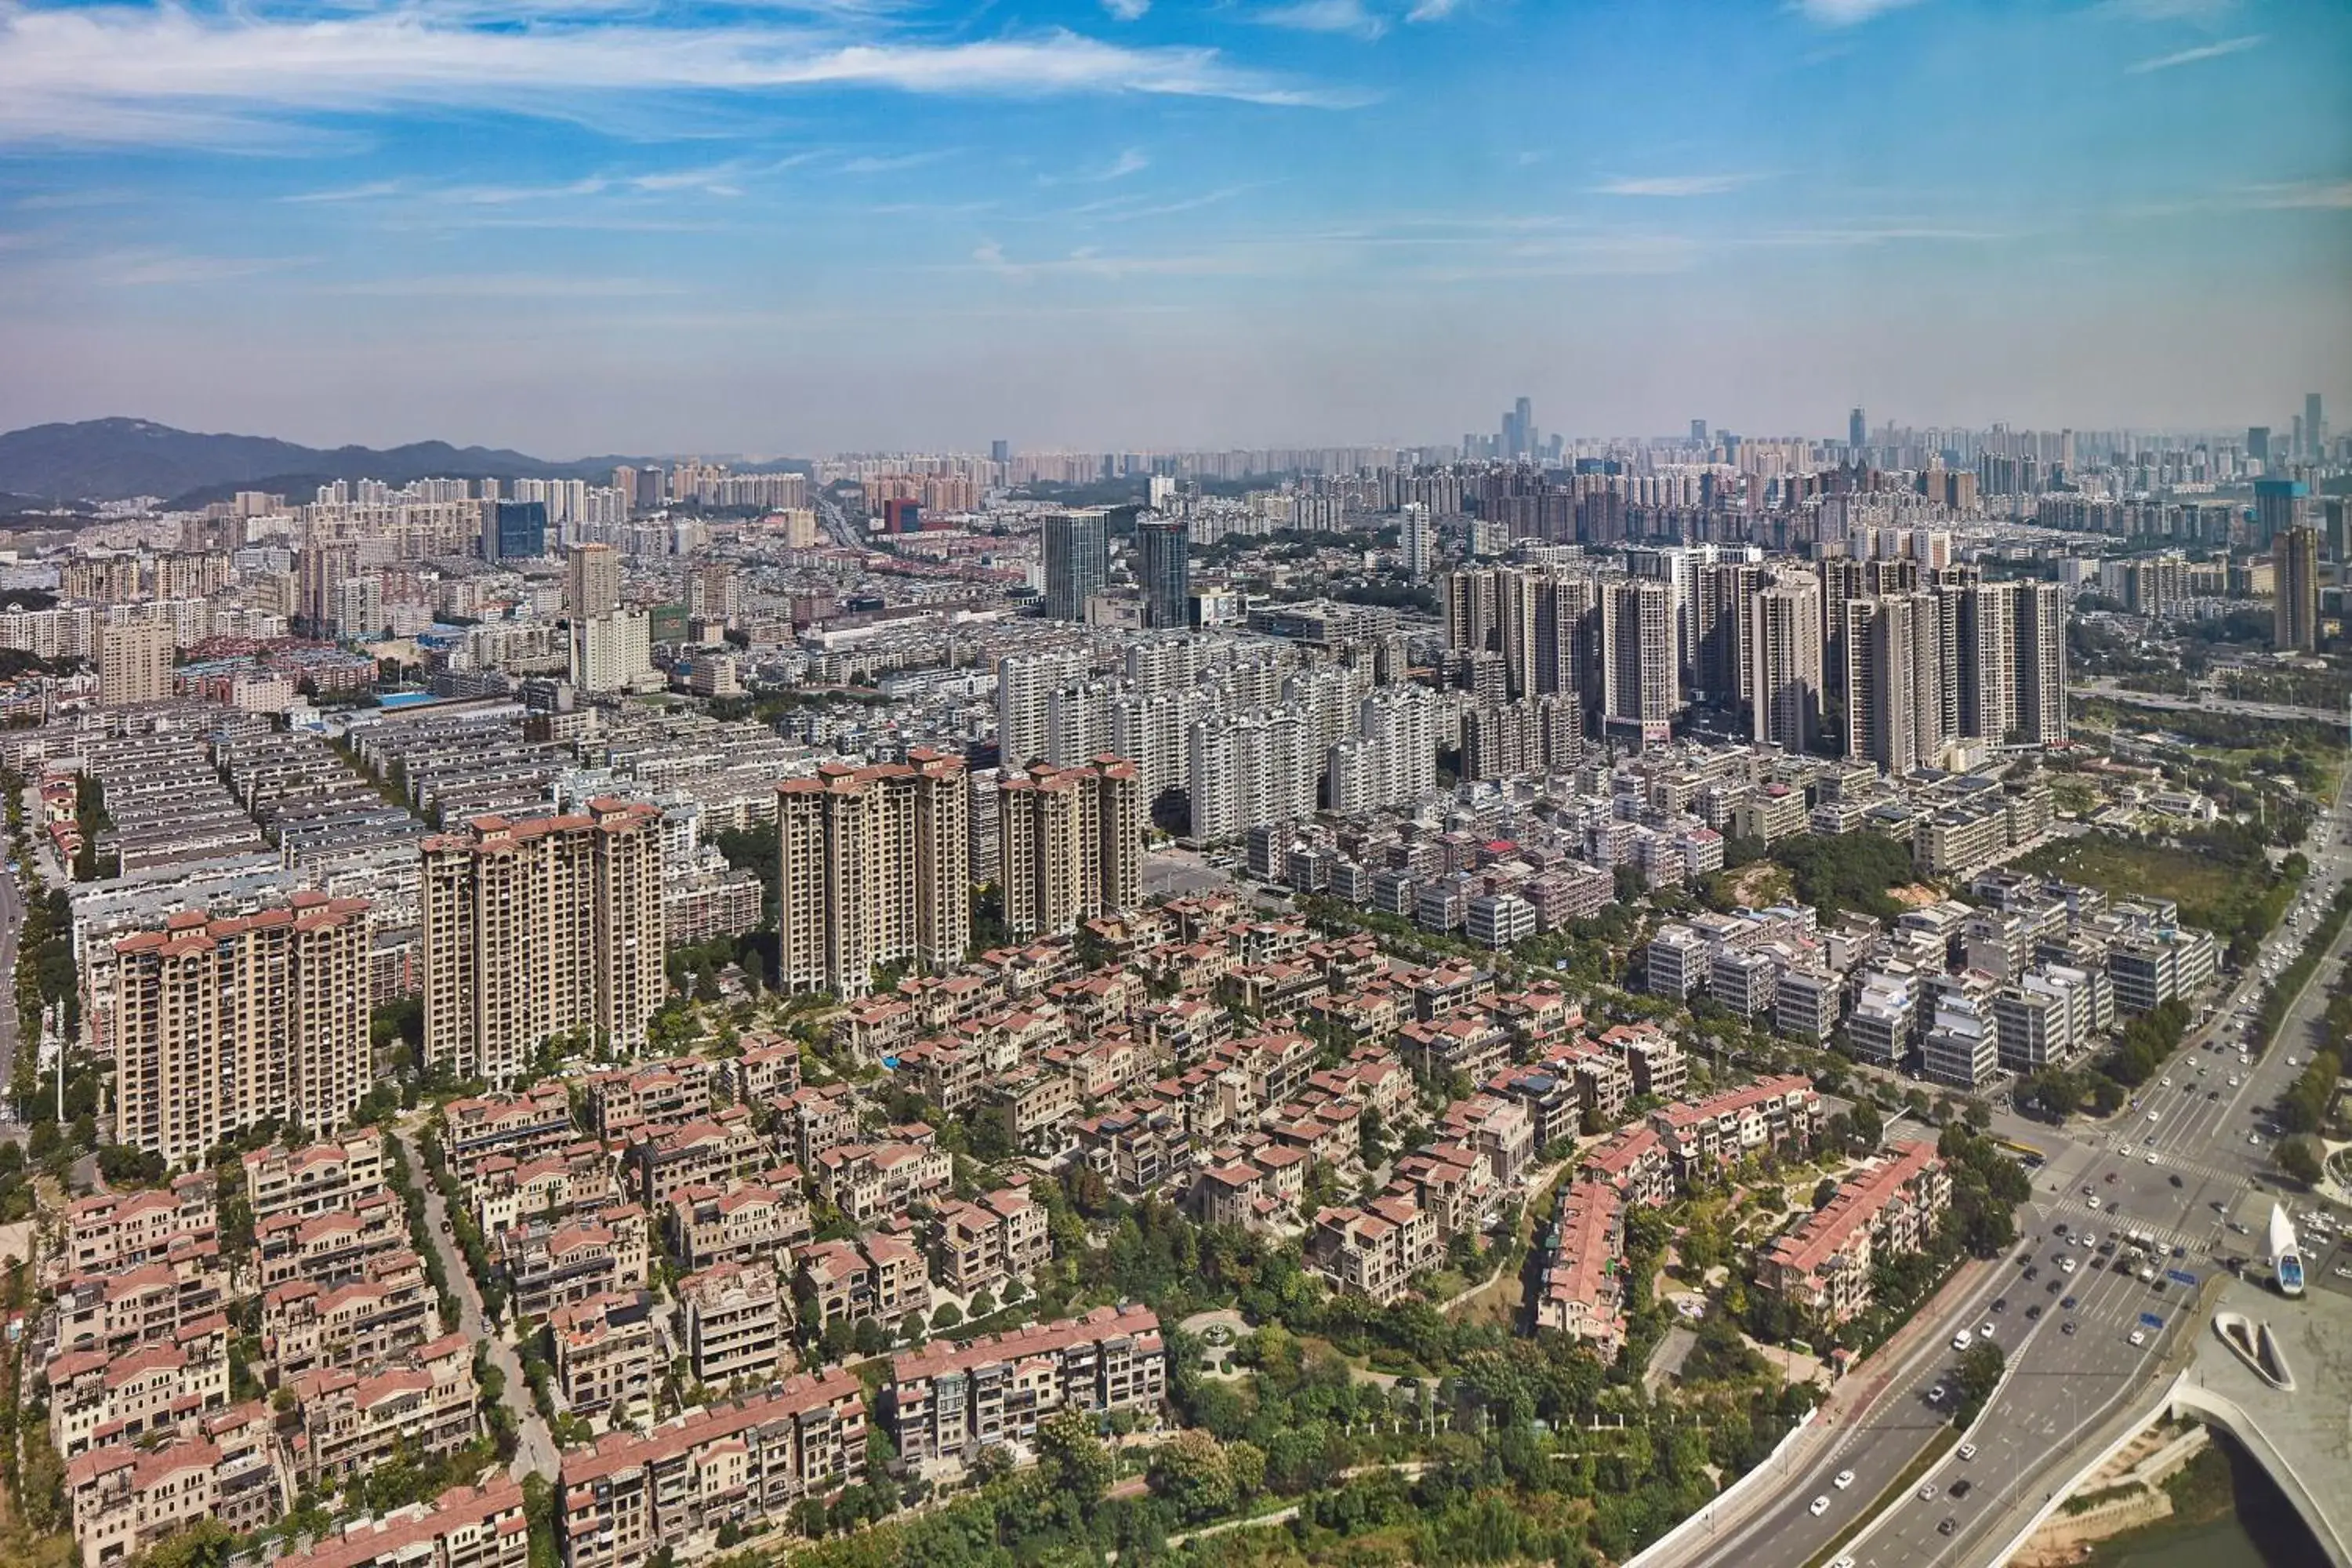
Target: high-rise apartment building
x=134, y=662
x=872, y=870
x=219, y=1024
x=1895, y=679
x=2295, y=559
x=613, y=652
x=1076, y=563
x=592, y=581
x=539, y=929
x=2039, y=613
x=1164, y=570
x=1785, y=656
x=1070, y=844
x=1640, y=668
x=1417, y=538
x=1241, y=771
x=1988, y=649
x=1025, y=683
x=2314, y=427
x=1857, y=432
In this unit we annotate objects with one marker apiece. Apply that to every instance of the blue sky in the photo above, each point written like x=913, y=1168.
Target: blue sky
x=578, y=225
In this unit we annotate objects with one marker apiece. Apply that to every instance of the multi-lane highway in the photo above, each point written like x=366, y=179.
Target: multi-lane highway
x=2066, y=1304
x=2180, y=1167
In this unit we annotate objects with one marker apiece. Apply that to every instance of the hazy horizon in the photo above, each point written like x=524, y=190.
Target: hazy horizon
x=815, y=226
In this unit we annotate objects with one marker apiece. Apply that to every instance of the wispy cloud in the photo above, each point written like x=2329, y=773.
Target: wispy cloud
x=1432, y=10
x=172, y=75
x=1674, y=186
x=506, y=286
x=1847, y=12
x=2169, y=10
x=2329, y=196
x=891, y=163
x=2191, y=57
x=171, y=268
x=1132, y=161
x=1349, y=17
x=1126, y=10
x=372, y=189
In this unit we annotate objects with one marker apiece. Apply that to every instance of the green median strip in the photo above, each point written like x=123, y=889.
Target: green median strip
x=1943, y=1443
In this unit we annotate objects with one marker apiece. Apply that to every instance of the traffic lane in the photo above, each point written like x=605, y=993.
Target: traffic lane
x=1878, y=1446
x=2061, y=1385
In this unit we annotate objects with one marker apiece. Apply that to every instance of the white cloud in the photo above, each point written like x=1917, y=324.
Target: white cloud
x=1326, y=17
x=2170, y=10
x=505, y=286
x=1126, y=10
x=2190, y=57
x=1432, y=10
x=1847, y=12
x=1674, y=186
x=2322, y=195
x=117, y=75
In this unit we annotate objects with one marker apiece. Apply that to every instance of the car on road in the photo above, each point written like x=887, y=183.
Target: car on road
x=1959, y=1489
x=2067, y=1327
x=1821, y=1505
x=2034, y=1313
x=2067, y=1264
x=1949, y=1525
x=2152, y=1116
x=2174, y=1178
x=2139, y=1336
x=1962, y=1340
x=2000, y=1304
x=1967, y=1451
x=2033, y=1271
x=2067, y=1305
x=2151, y=1159
x=1936, y=1394
x=1985, y=1332
x=1845, y=1479
x=2092, y=1202
x=1928, y=1492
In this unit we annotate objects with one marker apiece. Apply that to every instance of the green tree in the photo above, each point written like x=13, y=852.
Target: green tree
x=2297, y=1159
x=1073, y=1459
x=1192, y=1473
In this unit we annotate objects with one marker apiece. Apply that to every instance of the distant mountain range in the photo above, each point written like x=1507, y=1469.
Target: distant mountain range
x=111, y=459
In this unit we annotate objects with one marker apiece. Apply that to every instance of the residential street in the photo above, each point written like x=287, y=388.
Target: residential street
x=535, y=1452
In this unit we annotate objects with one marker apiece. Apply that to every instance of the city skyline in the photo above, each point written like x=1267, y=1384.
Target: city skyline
x=840, y=226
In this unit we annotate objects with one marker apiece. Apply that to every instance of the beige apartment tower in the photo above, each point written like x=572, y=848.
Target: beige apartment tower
x=872, y=869
x=1784, y=649
x=542, y=928
x=1070, y=844
x=134, y=663
x=592, y=581
x=219, y=1024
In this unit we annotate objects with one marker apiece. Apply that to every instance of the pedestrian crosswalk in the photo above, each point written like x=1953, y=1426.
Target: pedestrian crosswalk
x=2079, y=1214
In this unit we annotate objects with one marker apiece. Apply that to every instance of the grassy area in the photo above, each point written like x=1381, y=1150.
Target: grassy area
x=1945, y=1439
x=2127, y=870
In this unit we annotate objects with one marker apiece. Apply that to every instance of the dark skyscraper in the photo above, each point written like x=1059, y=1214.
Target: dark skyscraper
x=1164, y=570
x=2258, y=443
x=1076, y=563
x=2314, y=426
x=1000, y=451
x=1698, y=432
x=2295, y=560
x=514, y=530
x=1857, y=430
